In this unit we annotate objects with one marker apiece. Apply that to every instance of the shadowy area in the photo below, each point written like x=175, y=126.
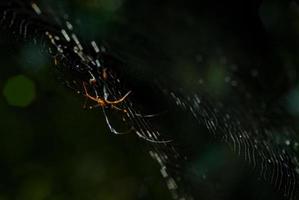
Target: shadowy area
x=240, y=55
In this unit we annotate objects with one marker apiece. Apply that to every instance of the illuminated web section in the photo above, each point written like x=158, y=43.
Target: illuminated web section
x=247, y=135
x=162, y=149
x=268, y=149
x=77, y=65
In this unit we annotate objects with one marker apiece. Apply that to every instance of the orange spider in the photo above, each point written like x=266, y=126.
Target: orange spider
x=105, y=102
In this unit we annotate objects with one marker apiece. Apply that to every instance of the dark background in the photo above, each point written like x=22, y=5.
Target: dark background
x=51, y=148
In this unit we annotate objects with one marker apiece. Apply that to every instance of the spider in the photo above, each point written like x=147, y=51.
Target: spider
x=104, y=102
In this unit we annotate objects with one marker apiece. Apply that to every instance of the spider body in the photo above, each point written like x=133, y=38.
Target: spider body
x=104, y=102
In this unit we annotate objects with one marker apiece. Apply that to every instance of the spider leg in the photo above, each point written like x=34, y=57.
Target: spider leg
x=102, y=102
x=88, y=95
x=119, y=109
x=119, y=100
x=110, y=126
x=116, y=108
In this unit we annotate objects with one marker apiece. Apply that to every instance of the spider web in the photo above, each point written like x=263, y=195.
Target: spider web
x=260, y=137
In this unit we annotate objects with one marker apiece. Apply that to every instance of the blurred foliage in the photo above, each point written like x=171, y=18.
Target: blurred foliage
x=19, y=91
x=50, y=148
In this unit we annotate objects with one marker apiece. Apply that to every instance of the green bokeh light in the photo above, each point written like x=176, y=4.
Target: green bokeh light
x=19, y=91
